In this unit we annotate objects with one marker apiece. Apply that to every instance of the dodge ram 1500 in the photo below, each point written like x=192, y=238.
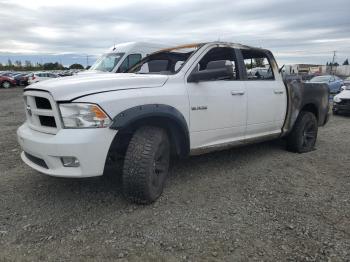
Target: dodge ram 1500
x=178, y=101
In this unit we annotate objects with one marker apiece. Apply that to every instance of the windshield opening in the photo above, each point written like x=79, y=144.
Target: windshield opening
x=107, y=62
x=165, y=62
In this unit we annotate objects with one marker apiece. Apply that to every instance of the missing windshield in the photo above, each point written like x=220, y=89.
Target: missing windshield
x=166, y=62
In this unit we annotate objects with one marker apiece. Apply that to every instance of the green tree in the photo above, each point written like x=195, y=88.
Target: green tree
x=76, y=66
x=346, y=62
x=53, y=66
x=18, y=63
x=9, y=63
x=28, y=64
x=259, y=62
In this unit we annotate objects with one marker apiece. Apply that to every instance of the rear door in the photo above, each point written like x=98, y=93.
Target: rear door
x=266, y=94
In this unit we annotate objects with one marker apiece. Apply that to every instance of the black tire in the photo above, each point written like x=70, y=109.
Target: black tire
x=146, y=164
x=303, y=137
x=6, y=84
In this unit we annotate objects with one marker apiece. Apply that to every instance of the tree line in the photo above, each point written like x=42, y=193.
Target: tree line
x=17, y=65
x=346, y=62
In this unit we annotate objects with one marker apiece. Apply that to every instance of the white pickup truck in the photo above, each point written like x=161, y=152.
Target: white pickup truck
x=176, y=102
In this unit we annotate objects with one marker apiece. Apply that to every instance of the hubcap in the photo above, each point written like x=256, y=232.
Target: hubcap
x=6, y=85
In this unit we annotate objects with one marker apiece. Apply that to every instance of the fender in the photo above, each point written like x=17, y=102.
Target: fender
x=134, y=114
x=301, y=94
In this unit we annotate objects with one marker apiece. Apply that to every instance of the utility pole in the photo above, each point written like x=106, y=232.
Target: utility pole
x=87, y=61
x=333, y=61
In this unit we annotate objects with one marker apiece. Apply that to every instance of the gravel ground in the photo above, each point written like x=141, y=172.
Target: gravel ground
x=258, y=202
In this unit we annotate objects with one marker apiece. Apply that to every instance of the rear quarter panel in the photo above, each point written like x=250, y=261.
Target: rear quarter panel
x=301, y=94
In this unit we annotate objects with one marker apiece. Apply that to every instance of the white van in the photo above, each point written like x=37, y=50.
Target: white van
x=121, y=57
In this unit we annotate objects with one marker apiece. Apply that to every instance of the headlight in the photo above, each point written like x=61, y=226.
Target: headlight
x=82, y=115
x=336, y=99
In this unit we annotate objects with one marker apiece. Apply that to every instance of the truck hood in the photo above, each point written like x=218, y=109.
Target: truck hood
x=71, y=87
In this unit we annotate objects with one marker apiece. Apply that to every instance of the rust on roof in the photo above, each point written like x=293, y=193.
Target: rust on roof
x=193, y=45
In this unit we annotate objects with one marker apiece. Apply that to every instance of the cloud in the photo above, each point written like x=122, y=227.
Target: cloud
x=297, y=31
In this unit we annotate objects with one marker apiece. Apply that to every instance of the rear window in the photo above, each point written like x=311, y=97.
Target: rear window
x=257, y=64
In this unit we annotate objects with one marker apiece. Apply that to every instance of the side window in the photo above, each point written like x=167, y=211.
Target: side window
x=220, y=58
x=129, y=62
x=257, y=65
x=154, y=66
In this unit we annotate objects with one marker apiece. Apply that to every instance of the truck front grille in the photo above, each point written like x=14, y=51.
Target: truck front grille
x=345, y=102
x=42, y=103
x=42, y=112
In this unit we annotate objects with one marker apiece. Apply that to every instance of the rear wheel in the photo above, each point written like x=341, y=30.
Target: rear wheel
x=304, y=134
x=6, y=84
x=146, y=164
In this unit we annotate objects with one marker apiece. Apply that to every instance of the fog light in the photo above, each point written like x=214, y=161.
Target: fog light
x=70, y=161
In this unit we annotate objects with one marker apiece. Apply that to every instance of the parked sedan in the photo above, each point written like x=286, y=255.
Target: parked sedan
x=41, y=76
x=334, y=82
x=7, y=82
x=21, y=79
x=341, y=102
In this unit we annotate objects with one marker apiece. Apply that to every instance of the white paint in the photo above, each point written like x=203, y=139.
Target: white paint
x=230, y=111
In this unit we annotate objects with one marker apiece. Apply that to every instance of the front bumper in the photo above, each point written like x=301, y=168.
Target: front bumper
x=341, y=108
x=89, y=146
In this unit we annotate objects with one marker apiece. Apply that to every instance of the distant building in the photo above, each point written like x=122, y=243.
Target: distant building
x=303, y=69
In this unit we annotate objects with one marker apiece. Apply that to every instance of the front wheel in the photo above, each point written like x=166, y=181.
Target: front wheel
x=303, y=137
x=6, y=84
x=146, y=164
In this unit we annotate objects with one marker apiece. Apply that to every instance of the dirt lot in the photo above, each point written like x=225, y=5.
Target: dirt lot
x=254, y=203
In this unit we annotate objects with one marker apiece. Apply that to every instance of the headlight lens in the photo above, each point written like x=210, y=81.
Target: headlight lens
x=82, y=115
x=336, y=99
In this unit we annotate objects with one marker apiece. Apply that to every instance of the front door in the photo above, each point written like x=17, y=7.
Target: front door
x=217, y=106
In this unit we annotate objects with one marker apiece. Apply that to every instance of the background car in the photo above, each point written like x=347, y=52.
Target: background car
x=9, y=74
x=41, y=76
x=7, y=82
x=347, y=81
x=259, y=73
x=334, y=82
x=21, y=79
x=341, y=102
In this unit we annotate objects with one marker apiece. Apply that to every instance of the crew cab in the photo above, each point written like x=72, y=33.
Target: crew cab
x=178, y=102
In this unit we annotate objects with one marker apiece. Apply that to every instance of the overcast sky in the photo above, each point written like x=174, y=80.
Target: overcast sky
x=296, y=31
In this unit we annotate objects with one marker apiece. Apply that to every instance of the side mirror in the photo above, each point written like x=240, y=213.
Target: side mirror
x=280, y=70
x=209, y=74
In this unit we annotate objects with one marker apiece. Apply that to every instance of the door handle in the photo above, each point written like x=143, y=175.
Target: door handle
x=237, y=93
x=278, y=92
